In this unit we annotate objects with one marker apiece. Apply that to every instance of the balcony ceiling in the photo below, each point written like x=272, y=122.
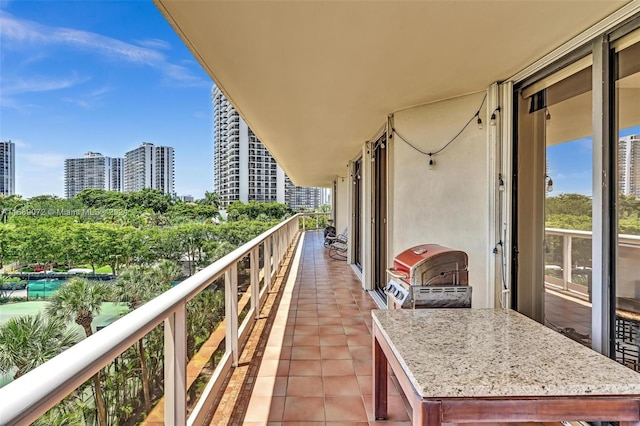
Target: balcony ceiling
x=314, y=80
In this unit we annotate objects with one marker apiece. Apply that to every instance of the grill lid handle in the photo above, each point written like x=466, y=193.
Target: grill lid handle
x=392, y=272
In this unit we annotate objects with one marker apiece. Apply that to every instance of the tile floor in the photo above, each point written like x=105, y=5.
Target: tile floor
x=316, y=367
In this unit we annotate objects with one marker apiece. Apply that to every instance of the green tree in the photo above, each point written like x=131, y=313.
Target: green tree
x=569, y=204
x=81, y=300
x=30, y=340
x=134, y=288
x=210, y=199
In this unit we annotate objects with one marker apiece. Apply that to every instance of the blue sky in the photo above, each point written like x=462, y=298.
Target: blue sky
x=102, y=76
x=570, y=165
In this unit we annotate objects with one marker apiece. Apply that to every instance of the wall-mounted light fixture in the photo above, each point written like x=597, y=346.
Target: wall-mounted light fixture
x=492, y=120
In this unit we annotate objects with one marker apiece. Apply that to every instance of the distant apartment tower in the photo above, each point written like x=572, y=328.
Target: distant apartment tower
x=94, y=170
x=7, y=168
x=629, y=165
x=149, y=166
x=301, y=197
x=243, y=168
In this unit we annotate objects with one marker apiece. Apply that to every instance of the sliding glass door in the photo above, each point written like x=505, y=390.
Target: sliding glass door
x=626, y=63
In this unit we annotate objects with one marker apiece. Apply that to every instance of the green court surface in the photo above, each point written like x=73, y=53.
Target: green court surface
x=109, y=313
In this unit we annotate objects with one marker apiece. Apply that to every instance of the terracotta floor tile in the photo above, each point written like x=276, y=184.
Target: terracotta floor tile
x=280, y=386
x=306, y=329
x=353, y=320
x=331, y=329
x=305, y=352
x=309, y=321
x=359, y=340
x=329, y=314
x=350, y=408
x=341, y=386
x=360, y=352
x=329, y=321
x=303, y=409
x=363, y=367
x=333, y=340
x=337, y=367
x=305, y=368
x=366, y=385
x=335, y=352
x=305, y=386
x=356, y=330
x=283, y=368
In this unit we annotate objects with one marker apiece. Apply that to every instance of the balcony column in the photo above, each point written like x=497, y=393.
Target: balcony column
x=175, y=366
x=567, y=261
x=231, y=311
x=255, y=283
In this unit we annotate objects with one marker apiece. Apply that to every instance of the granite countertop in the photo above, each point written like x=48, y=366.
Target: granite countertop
x=490, y=353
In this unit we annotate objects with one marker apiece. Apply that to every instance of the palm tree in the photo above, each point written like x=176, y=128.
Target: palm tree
x=30, y=340
x=210, y=199
x=134, y=288
x=80, y=300
x=164, y=273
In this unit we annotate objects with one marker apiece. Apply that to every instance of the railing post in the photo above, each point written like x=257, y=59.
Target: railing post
x=267, y=263
x=303, y=223
x=175, y=369
x=255, y=283
x=567, y=261
x=231, y=311
x=317, y=224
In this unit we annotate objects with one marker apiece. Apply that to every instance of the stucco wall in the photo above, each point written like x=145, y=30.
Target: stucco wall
x=342, y=204
x=448, y=205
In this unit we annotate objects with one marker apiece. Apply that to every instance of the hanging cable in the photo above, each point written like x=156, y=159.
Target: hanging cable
x=432, y=153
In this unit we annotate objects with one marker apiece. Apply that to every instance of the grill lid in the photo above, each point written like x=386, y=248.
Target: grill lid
x=431, y=264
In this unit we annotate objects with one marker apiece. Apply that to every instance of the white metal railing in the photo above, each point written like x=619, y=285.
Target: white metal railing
x=566, y=283
x=30, y=396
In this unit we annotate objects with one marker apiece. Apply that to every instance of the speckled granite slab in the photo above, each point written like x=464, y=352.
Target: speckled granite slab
x=486, y=352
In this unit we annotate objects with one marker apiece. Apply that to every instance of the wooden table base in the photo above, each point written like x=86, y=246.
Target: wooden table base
x=433, y=412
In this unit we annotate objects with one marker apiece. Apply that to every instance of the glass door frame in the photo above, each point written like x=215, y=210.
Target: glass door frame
x=605, y=223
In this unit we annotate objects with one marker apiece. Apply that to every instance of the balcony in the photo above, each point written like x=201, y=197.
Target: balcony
x=302, y=352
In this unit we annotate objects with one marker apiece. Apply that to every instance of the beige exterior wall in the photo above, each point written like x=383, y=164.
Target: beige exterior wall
x=448, y=205
x=342, y=204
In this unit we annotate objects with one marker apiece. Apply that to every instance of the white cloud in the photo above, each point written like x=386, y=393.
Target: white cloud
x=39, y=84
x=23, y=32
x=154, y=43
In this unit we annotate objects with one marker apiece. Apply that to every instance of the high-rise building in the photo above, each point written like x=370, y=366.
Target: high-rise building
x=301, y=197
x=629, y=165
x=7, y=168
x=149, y=166
x=243, y=168
x=94, y=170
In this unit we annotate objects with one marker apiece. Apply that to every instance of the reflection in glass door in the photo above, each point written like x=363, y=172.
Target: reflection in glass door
x=357, y=213
x=627, y=278
x=379, y=201
x=554, y=223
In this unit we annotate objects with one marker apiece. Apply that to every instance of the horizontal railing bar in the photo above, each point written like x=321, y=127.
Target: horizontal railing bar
x=30, y=396
x=622, y=238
